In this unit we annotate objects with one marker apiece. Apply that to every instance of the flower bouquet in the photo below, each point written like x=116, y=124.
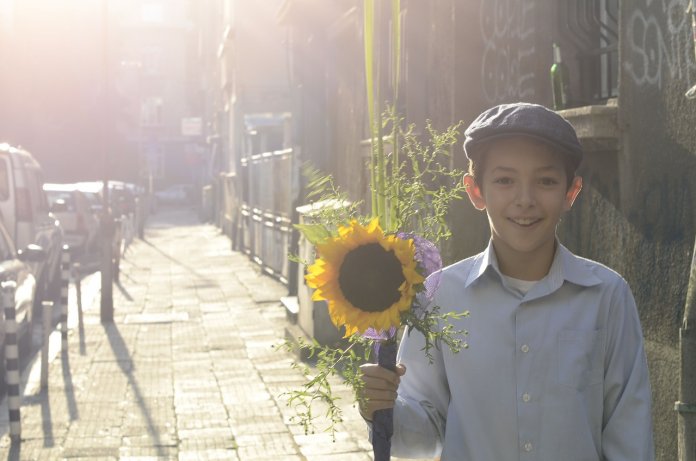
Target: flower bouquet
x=378, y=269
x=379, y=272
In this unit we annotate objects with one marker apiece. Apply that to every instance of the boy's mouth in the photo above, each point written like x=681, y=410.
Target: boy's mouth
x=525, y=222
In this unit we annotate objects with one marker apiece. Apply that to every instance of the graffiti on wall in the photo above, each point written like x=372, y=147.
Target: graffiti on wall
x=507, y=29
x=659, y=43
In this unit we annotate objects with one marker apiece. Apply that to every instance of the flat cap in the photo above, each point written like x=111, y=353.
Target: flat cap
x=523, y=119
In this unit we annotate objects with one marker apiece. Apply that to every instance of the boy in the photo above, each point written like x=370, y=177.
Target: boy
x=555, y=368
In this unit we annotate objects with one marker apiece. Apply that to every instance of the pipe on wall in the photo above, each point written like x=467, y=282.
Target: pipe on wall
x=686, y=406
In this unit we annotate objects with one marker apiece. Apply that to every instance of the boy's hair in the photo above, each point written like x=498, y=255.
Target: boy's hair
x=477, y=163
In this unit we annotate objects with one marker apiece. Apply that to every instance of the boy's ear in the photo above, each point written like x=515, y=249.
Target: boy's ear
x=474, y=192
x=572, y=194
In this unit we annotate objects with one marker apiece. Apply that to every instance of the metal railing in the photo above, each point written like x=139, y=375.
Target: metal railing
x=593, y=27
x=266, y=211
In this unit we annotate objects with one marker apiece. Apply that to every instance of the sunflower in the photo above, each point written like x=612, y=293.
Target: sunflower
x=368, y=278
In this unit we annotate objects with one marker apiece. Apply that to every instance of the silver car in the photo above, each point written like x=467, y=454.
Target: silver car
x=14, y=266
x=26, y=216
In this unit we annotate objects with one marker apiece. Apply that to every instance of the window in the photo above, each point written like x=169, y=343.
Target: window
x=154, y=153
x=591, y=26
x=151, y=112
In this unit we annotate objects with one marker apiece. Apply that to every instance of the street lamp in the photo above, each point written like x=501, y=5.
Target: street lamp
x=106, y=310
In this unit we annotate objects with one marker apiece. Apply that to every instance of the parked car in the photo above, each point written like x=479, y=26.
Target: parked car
x=93, y=191
x=14, y=266
x=129, y=204
x=76, y=215
x=27, y=217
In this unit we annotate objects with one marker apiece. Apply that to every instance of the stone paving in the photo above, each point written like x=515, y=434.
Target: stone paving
x=187, y=371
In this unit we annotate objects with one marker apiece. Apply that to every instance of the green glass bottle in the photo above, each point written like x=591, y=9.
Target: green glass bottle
x=559, y=80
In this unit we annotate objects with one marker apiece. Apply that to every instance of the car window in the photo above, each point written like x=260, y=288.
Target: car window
x=4, y=180
x=43, y=201
x=35, y=191
x=55, y=195
x=93, y=198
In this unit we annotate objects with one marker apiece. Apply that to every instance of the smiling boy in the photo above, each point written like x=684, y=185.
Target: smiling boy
x=555, y=368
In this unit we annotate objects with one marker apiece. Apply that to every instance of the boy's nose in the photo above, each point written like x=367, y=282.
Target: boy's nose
x=525, y=196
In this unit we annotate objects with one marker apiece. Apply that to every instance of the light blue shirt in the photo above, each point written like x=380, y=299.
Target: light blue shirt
x=558, y=373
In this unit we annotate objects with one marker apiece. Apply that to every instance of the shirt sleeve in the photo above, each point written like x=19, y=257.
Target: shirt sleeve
x=421, y=407
x=627, y=433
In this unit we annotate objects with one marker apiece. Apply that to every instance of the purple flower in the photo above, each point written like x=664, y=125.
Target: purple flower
x=371, y=333
x=430, y=262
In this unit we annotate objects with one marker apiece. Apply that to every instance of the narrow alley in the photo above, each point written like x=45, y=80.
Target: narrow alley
x=187, y=371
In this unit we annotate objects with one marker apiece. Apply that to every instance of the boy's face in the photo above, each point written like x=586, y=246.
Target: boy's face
x=523, y=187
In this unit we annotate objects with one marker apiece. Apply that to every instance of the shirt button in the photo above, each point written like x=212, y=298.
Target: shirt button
x=528, y=447
x=524, y=348
x=526, y=397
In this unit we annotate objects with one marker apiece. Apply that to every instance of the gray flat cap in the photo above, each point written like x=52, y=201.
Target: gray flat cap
x=523, y=119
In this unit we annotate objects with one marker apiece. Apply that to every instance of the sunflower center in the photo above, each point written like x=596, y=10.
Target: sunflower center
x=370, y=277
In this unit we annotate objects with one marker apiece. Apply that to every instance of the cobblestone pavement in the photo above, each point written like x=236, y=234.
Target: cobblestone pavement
x=187, y=371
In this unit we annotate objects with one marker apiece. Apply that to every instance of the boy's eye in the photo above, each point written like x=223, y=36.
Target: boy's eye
x=504, y=180
x=548, y=181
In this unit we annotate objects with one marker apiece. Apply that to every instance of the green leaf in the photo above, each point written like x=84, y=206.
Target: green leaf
x=315, y=233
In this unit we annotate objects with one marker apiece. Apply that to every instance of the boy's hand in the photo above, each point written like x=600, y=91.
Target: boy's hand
x=380, y=388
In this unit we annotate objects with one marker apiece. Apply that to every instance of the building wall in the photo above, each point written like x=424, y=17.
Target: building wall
x=346, y=112
x=657, y=171
x=256, y=66
x=640, y=218
x=254, y=79
x=636, y=210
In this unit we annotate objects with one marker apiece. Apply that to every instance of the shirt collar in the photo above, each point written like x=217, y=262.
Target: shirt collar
x=565, y=267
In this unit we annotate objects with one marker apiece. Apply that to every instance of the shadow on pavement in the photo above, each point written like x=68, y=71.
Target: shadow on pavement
x=123, y=291
x=81, y=325
x=42, y=398
x=46, y=419
x=125, y=362
x=69, y=388
x=15, y=451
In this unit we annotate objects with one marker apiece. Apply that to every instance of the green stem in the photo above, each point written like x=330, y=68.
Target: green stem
x=396, y=69
x=369, y=29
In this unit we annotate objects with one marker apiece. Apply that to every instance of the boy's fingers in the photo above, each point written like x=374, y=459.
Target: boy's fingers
x=378, y=383
x=375, y=371
x=382, y=405
x=380, y=394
